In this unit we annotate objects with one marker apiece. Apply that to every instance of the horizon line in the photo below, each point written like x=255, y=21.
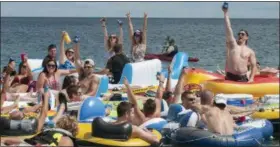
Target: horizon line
x=132, y=17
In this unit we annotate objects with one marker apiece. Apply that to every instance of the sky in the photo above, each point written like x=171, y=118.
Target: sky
x=154, y=9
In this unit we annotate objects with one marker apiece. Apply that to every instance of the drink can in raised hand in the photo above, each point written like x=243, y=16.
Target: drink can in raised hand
x=225, y=5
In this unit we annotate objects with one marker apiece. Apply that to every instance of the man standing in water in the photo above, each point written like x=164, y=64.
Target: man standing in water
x=239, y=55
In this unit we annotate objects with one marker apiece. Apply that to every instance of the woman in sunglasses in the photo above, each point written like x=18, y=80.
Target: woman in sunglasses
x=66, y=60
x=51, y=76
x=110, y=41
x=138, y=40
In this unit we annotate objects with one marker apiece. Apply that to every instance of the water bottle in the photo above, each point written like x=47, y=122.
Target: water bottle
x=76, y=39
x=119, y=22
x=225, y=5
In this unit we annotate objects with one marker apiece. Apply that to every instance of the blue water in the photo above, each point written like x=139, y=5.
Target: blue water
x=202, y=38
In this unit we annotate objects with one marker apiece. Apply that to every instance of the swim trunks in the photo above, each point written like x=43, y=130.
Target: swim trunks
x=237, y=78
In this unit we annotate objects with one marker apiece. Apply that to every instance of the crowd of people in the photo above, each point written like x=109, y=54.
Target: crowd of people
x=211, y=112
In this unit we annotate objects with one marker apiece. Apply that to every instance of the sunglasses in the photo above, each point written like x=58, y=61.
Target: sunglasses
x=51, y=65
x=242, y=34
x=191, y=99
x=87, y=67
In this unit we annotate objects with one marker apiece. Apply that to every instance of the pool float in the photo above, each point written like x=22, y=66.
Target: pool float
x=194, y=137
x=163, y=57
x=154, y=123
x=260, y=87
x=263, y=125
x=105, y=134
x=270, y=99
x=267, y=114
x=198, y=76
x=240, y=100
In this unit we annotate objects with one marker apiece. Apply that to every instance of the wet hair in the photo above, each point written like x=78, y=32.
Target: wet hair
x=246, y=32
x=206, y=97
x=149, y=107
x=62, y=100
x=45, y=70
x=68, y=123
x=220, y=106
x=68, y=80
x=109, y=42
x=123, y=108
x=118, y=48
x=140, y=36
x=72, y=89
x=51, y=47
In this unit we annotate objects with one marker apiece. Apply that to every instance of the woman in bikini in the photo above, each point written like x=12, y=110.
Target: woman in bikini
x=110, y=41
x=66, y=60
x=138, y=40
x=51, y=75
x=23, y=79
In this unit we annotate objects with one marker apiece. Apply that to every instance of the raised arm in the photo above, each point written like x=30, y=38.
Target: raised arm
x=130, y=28
x=104, y=29
x=159, y=95
x=133, y=100
x=253, y=62
x=121, y=32
x=179, y=87
x=145, y=29
x=229, y=33
x=78, y=62
x=44, y=111
x=168, y=83
x=62, y=56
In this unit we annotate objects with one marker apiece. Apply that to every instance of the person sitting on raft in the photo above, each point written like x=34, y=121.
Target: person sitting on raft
x=151, y=108
x=238, y=54
x=124, y=112
x=66, y=59
x=172, y=48
x=87, y=80
x=24, y=77
x=52, y=75
x=216, y=117
x=112, y=40
x=66, y=127
x=138, y=40
x=115, y=64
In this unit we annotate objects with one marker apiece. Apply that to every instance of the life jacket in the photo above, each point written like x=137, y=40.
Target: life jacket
x=50, y=137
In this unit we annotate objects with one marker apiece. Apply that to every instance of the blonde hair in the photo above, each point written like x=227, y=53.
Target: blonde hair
x=68, y=123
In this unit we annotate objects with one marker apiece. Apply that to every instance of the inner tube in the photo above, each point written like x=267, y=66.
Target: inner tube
x=85, y=138
x=155, y=123
x=194, y=137
x=18, y=127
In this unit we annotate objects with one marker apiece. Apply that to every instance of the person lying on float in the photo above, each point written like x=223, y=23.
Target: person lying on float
x=66, y=132
x=87, y=80
x=151, y=108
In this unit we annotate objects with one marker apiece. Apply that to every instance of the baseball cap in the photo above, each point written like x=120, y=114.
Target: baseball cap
x=70, y=50
x=137, y=33
x=220, y=99
x=89, y=61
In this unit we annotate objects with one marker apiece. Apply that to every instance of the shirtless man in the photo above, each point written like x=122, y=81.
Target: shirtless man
x=87, y=80
x=216, y=117
x=124, y=111
x=151, y=108
x=238, y=54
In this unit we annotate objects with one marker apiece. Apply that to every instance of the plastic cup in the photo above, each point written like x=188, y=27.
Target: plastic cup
x=67, y=38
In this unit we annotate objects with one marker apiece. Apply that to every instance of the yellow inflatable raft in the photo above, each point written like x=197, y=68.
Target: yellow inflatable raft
x=84, y=137
x=269, y=114
x=198, y=76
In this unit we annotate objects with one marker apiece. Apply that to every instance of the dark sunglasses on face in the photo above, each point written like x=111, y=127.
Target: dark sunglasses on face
x=242, y=34
x=51, y=65
x=191, y=99
x=88, y=67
